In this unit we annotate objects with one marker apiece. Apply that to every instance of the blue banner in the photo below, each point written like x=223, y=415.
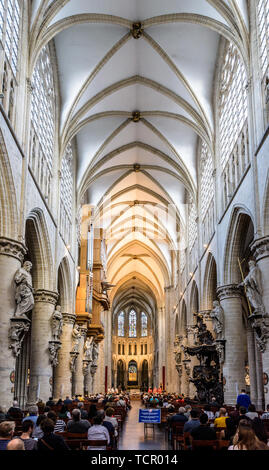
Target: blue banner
x=150, y=416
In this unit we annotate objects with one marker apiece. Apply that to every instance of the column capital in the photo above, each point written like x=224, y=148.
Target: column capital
x=260, y=248
x=49, y=297
x=229, y=291
x=9, y=247
x=69, y=318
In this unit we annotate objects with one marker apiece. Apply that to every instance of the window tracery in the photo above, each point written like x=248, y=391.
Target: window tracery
x=121, y=324
x=66, y=194
x=207, y=182
x=43, y=121
x=132, y=324
x=233, y=102
x=263, y=33
x=10, y=16
x=10, y=29
x=144, y=325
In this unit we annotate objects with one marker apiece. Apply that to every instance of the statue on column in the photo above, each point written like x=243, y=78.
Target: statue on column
x=217, y=316
x=95, y=353
x=253, y=286
x=54, y=347
x=24, y=291
x=88, y=349
x=57, y=323
x=17, y=333
x=76, y=335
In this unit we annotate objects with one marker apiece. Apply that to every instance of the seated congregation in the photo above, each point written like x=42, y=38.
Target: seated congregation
x=96, y=423
x=65, y=425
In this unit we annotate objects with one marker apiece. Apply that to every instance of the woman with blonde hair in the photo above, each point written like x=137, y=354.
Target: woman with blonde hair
x=245, y=439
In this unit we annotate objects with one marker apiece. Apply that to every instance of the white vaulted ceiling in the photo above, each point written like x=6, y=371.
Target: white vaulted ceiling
x=105, y=75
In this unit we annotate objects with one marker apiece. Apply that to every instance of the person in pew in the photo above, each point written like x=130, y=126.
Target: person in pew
x=92, y=411
x=50, y=441
x=50, y=402
x=15, y=444
x=26, y=436
x=38, y=433
x=252, y=413
x=188, y=411
x=245, y=438
x=59, y=424
x=64, y=413
x=84, y=413
x=193, y=423
x=204, y=432
x=33, y=414
x=235, y=414
x=260, y=431
x=220, y=422
x=229, y=433
x=14, y=411
x=265, y=415
x=77, y=425
x=98, y=432
x=7, y=429
x=109, y=418
x=179, y=417
x=68, y=401
x=208, y=412
x=242, y=414
x=109, y=427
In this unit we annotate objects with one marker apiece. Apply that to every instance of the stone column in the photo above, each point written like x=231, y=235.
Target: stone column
x=252, y=365
x=93, y=372
x=234, y=365
x=11, y=257
x=259, y=375
x=87, y=377
x=79, y=378
x=63, y=375
x=260, y=250
x=40, y=366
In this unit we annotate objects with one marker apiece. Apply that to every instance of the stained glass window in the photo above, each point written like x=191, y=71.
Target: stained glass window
x=132, y=324
x=233, y=101
x=193, y=231
x=144, y=324
x=263, y=32
x=121, y=324
x=66, y=194
x=10, y=14
x=43, y=103
x=207, y=182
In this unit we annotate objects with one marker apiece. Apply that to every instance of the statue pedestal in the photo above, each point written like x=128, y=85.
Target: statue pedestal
x=54, y=347
x=18, y=329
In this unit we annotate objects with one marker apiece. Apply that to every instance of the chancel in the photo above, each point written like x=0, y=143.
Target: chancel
x=134, y=223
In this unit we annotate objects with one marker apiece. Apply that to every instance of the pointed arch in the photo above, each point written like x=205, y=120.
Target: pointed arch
x=240, y=235
x=37, y=240
x=210, y=283
x=65, y=287
x=8, y=199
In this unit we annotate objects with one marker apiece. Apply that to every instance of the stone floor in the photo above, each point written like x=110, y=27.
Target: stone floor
x=132, y=435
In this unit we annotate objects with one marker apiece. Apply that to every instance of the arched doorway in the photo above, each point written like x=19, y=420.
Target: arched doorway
x=145, y=375
x=120, y=374
x=132, y=374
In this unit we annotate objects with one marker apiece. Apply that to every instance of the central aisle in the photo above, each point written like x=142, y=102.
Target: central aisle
x=132, y=435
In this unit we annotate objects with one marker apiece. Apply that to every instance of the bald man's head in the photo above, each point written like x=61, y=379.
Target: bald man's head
x=16, y=444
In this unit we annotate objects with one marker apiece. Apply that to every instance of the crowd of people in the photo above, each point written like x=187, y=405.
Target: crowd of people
x=243, y=426
x=42, y=424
